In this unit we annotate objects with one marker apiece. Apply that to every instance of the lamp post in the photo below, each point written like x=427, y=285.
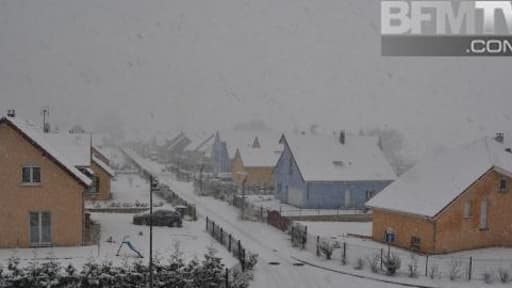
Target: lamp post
x=153, y=187
x=243, y=174
x=201, y=178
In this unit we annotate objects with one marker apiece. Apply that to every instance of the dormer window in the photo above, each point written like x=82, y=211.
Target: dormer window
x=31, y=175
x=503, y=185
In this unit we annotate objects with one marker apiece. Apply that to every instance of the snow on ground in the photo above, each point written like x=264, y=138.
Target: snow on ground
x=274, y=246
x=270, y=244
x=271, y=203
x=129, y=188
x=338, y=229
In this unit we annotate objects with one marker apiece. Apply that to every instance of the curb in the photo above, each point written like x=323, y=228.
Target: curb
x=363, y=276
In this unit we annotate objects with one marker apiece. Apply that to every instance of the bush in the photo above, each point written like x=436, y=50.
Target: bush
x=373, y=262
x=359, y=264
x=208, y=273
x=392, y=263
x=413, y=266
x=326, y=249
x=504, y=275
x=433, y=272
x=455, y=271
x=487, y=277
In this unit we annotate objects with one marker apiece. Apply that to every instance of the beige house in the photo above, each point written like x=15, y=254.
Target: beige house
x=41, y=192
x=103, y=174
x=457, y=199
x=78, y=149
x=255, y=164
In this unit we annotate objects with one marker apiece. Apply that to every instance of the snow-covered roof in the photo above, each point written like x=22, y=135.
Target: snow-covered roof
x=75, y=147
x=241, y=140
x=40, y=139
x=264, y=156
x=103, y=165
x=324, y=158
x=427, y=188
x=201, y=143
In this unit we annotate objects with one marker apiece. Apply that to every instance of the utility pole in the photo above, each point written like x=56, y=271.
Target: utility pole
x=243, y=197
x=201, y=179
x=153, y=186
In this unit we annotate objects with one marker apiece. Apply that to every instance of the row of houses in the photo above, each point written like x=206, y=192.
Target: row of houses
x=306, y=171
x=45, y=180
x=454, y=199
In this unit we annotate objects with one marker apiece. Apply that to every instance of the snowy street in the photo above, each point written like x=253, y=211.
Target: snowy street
x=269, y=243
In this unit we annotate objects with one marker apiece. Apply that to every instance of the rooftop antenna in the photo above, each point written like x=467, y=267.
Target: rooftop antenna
x=45, y=111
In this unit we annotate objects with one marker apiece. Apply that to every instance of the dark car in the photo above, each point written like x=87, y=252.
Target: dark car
x=160, y=218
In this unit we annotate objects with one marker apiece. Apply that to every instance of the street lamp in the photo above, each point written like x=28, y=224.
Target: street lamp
x=154, y=186
x=244, y=175
x=201, y=178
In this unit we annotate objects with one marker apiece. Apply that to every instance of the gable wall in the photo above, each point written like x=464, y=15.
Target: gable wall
x=59, y=193
x=457, y=233
x=104, y=189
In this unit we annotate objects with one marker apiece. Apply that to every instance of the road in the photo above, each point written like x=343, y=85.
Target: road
x=269, y=243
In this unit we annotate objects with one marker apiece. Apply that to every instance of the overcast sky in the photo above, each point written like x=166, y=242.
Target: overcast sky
x=190, y=64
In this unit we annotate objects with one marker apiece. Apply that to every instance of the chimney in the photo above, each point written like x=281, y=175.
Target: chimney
x=11, y=113
x=499, y=137
x=342, y=137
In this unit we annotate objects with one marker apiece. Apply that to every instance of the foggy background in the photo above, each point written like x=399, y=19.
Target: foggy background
x=156, y=66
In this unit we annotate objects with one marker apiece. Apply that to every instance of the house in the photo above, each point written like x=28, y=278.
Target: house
x=198, y=153
x=329, y=172
x=86, y=158
x=454, y=199
x=100, y=165
x=41, y=191
x=254, y=164
x=221, y=162
x=226, y=144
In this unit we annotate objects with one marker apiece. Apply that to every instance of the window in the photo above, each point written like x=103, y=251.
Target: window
x=467, y=209
x=95, y=188
x=503, y=185
x=31, y=175
x=483, y=215
x=415, y=242
x=369, y=194
x=40, y=228
x=290, y=166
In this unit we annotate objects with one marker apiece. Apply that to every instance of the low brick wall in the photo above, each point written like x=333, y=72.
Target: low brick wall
x=117, y=210
x=333, y=218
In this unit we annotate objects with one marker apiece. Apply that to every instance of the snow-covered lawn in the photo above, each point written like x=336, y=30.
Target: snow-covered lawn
x=338, y=229
x=130, y=188
x=271, y=203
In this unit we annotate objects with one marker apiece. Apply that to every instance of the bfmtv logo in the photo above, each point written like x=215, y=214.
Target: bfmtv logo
x=446, y=17
x=446, y=28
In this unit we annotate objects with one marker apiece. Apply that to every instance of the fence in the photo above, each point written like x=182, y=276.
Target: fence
x=233, y=245
x=449, y=267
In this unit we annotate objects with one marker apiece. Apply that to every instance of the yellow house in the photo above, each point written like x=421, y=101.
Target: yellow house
x=78, y=149
x=102, y=178
x=254, y=164
x=41, y=192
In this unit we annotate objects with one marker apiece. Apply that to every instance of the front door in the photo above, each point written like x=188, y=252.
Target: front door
x=40, y=228
x=347, y=199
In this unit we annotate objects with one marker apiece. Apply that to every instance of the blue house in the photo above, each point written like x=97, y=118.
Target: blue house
x=221, y=162
x=330, y=172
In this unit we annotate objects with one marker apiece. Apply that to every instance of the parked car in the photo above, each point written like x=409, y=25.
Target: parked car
x=161, y=217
